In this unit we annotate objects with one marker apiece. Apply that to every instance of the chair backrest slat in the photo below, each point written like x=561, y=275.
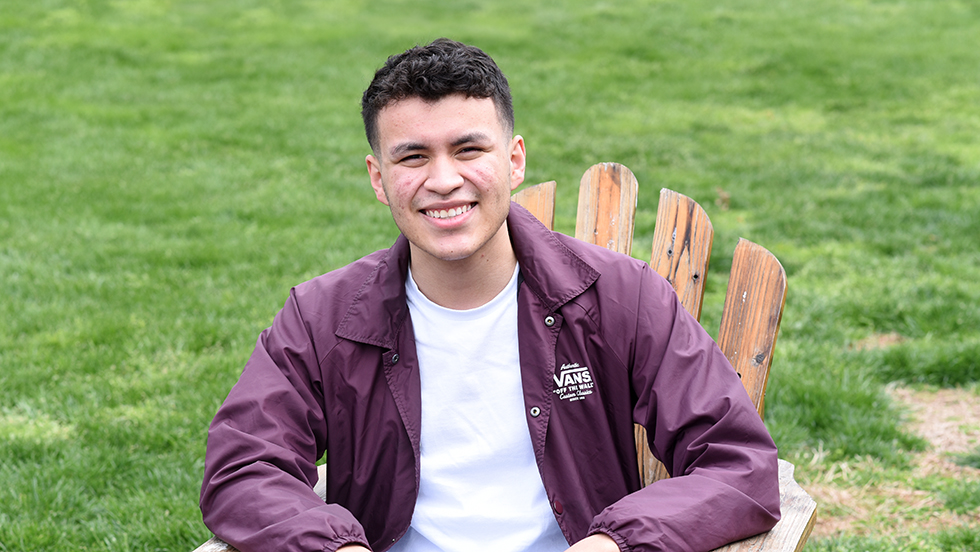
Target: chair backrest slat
x=750, y=320
x=682, y=242
x=607, y=207
x=540, y=201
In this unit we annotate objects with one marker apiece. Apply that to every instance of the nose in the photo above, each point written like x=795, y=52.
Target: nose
x=443, y=177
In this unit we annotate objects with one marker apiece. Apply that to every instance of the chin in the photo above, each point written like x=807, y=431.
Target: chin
x=449, y=255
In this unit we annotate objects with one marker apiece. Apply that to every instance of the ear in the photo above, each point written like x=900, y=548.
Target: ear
x=374, y=171
x=518, y=161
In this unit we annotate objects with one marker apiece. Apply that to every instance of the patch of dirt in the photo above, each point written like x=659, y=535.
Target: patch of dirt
x=878, y=341
x=949, y=419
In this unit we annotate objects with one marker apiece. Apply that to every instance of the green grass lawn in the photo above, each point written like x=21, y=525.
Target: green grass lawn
x=168, y=169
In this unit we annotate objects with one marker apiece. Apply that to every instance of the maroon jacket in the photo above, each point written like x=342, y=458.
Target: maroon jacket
x=337, y=373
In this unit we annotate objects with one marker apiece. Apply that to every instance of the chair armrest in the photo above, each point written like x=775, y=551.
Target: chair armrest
x=215, y=544
x=799, y=512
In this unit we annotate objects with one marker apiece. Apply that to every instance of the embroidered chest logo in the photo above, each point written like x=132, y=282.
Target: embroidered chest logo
x=573, y=382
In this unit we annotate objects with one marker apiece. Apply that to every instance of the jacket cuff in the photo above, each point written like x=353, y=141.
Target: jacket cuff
x=343, y=540
x=616, y=537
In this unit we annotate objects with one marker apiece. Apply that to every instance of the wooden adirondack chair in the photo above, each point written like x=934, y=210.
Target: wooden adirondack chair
x=681, y=251
x=749, y=322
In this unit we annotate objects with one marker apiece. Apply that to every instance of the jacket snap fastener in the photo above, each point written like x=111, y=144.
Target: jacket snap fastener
x=535, y=412
x=558, y=508
x=394, y=358
x=549, y=321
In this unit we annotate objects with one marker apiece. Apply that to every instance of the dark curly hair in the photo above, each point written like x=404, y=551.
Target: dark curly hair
x=432, y=72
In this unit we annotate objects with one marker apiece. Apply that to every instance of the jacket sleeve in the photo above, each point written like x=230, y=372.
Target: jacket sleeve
x=702, y=425
x=262, y=446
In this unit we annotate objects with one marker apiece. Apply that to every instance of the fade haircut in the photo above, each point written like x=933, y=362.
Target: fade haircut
x=432, y=72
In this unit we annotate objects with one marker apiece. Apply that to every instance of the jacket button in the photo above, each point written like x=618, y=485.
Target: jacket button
x=394, y=358
x=558, y=508
x=549, y=321
x=535, y=412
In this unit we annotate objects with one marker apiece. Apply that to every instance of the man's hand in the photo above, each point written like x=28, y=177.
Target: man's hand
x=595, y=543
x=352, y=548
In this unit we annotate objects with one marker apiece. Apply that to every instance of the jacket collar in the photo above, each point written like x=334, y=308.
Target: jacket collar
x=552, y=271
x=380, y=306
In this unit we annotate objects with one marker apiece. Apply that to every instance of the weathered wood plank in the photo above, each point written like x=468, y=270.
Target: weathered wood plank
x=681, y=250
x=540, y=201
x=607, y=207
x=215, y=544
x=799, y=512
x=751, y=316
x=682, y=243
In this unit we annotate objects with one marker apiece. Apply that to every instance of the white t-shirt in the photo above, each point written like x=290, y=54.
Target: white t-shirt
x=480, y=488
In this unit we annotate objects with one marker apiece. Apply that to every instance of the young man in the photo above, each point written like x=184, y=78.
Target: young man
x=475, y=386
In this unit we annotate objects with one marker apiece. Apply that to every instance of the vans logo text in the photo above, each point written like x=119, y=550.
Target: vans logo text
x=573, y=382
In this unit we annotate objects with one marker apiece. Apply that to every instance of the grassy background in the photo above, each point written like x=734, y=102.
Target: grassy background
x=168, y=169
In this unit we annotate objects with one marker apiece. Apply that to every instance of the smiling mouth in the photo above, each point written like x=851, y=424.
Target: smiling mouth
x=448, y=213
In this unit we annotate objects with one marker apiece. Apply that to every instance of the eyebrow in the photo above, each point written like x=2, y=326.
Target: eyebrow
x=475, y=136
x=406, y=147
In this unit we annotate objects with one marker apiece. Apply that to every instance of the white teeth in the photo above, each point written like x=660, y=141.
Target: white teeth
x=447, y=213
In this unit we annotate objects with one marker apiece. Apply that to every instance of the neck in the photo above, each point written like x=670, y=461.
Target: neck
x=466, y=283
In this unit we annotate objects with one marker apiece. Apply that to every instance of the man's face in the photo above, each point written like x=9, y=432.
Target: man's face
x=447, y=169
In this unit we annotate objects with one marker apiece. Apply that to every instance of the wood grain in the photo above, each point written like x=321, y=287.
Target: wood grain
x=751, y=316
x=214, y=544
x=682, y=242
x=540, y=201
x=681, y=250
x=607, y=207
